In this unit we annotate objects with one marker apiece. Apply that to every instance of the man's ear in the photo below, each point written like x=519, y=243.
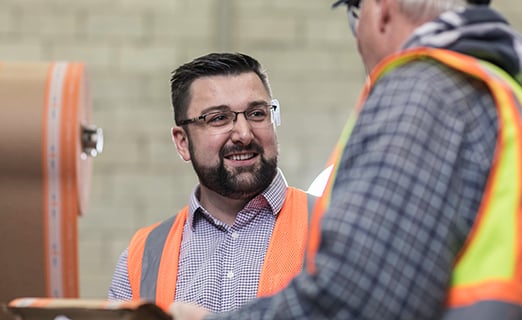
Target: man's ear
x=180, y=139
x=385, y=13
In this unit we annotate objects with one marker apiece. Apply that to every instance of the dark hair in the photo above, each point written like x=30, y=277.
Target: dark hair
x=213, y=64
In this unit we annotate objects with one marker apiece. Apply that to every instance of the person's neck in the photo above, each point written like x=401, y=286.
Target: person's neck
x=222, y=208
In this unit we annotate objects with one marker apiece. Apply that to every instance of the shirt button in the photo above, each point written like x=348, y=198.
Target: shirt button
x=230, y=274
x=235, y=235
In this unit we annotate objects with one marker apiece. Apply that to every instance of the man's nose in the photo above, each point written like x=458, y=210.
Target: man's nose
x=241, y=131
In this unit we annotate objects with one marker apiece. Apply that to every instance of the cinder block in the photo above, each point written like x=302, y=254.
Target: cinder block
x=147, y=58
x=271, y=30
x=181, y=23
x=40, y=21
x=7, y=18
x=97, y=56
x=117, y=24
x=22, y=50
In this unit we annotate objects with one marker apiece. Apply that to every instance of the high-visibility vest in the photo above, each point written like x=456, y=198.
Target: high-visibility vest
x=486, y=280
x=153, y=276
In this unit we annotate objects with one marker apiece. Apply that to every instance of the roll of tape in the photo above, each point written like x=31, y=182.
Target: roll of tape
x=47, y=143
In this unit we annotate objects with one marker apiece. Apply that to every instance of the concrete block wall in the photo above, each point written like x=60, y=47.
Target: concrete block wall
x=131, y=46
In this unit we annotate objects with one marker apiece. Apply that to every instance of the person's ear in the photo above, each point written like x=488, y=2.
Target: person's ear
x=180, y=139
x=385, y=13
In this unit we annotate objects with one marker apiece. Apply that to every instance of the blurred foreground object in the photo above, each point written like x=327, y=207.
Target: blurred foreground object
x=83, y=309
x=47, y=144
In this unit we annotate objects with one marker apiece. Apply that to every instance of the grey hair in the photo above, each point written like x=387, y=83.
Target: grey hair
x=424, y=10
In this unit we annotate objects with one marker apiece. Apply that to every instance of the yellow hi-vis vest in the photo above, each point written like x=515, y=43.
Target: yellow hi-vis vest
x=486, y=280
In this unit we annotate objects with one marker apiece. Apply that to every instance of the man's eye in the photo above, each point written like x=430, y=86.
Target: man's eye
x=216, y=118
x=257, y=114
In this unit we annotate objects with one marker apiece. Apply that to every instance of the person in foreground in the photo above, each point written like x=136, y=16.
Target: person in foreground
x=421, y=218
x=244, y=230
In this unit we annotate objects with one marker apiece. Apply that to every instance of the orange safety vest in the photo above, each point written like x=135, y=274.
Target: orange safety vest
x=487, y=276
x=153, y=276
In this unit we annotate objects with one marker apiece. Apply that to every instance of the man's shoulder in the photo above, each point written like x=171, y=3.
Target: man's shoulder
x=296, y=190
x=167, y=222
x=423, y=71
x=427, y=81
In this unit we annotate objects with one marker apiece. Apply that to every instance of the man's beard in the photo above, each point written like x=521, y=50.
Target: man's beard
x=229, y=184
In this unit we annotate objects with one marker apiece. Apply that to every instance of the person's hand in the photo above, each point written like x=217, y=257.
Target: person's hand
x=187, y=311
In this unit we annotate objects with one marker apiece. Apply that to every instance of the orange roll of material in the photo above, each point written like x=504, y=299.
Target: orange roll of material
x=47, y=143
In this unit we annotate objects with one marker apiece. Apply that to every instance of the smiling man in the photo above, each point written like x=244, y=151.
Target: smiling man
x=243, y=233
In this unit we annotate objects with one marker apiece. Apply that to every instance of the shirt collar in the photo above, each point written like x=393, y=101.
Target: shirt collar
x=274, y=194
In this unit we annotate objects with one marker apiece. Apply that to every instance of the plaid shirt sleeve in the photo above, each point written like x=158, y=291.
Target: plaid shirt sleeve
x=409, y=185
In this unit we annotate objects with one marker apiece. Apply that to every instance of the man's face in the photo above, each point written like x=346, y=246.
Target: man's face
x=367, y=34
x=242, y=162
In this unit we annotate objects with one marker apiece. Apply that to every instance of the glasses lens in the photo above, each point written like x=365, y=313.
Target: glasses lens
x=223, y=121
x=258, y=116
x=353, y=18
x=218, y=119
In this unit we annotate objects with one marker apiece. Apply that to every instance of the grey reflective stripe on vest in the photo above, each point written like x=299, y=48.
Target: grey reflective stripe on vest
x=311, y=203
x=311, y=199
x=151, y=259
x=485, y=310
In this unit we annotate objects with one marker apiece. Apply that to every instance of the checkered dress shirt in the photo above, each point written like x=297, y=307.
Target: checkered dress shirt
x=219, y=265
x=408, y=189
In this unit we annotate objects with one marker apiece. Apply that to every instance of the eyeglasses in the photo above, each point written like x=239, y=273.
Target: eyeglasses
x=353, y=8
x=217, y=122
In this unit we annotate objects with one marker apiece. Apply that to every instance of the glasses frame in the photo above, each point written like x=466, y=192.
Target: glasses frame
x=353, y=18
x=352, y=9
x=272, y=108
